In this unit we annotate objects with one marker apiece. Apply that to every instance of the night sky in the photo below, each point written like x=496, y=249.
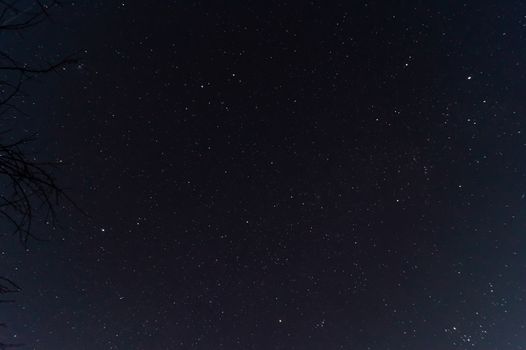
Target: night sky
x=278, y=175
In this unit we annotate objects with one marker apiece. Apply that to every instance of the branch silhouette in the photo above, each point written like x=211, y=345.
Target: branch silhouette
x=28, y=190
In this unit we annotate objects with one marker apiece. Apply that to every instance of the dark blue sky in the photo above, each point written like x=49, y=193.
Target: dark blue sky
x=280, y=175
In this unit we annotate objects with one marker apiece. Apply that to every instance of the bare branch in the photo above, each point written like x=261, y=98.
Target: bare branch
x=29, y=193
